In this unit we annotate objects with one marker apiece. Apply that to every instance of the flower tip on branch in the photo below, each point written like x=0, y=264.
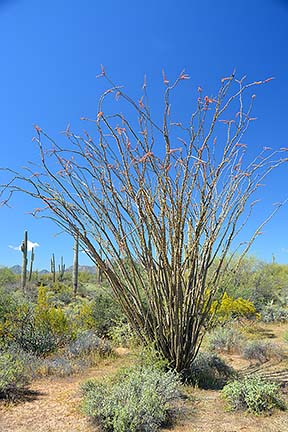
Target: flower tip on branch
x=37, y=128
x=99, y=115
x=164, y=78
x=268, y=79
x=103, y=73
x=184, y=76
x=83, y=118
x=141, y=102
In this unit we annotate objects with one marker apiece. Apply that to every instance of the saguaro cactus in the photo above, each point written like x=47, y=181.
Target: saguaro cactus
x=61, y=268
x=52, y=268
x=24, y=250
x=31, y=263
x=75, y=265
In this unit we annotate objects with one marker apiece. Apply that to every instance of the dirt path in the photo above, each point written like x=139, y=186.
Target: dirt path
x=54, y=403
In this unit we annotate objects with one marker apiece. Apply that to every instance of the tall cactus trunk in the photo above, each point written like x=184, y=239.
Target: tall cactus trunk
x=75, y=266
x=52, y=268
x=61, y=270
x=31, y=264
x=24, y=251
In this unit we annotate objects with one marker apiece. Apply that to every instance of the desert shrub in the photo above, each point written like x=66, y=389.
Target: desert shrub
x=39, y=329
x=86, y=343
x=229, y=308
x=29, y=333
x=122, y=334
x=9, y=301
x=7, y=277
x=135, y=400
x=262, y=351
x=252, y=394
x=274, y=313
x=30, y=360
x=60, y=294
x=148, y=356
x=59, y=366
x=105, y=312
x=14, y=376
x=52, y=317
x=79, y=314
x=225, y=339
x=99, y=313
x=208, y=371
x=34, y=337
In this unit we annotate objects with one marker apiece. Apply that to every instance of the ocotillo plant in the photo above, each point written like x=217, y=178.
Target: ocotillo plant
x=75, y=266
x=31, y=263
x=61, y=268
x=24, y=250
x=133, y=197
x=52, y=268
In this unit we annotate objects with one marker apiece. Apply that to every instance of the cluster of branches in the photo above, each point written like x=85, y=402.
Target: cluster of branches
x=155, y=206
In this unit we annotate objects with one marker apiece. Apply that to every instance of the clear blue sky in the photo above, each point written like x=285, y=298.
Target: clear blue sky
x=50, y=56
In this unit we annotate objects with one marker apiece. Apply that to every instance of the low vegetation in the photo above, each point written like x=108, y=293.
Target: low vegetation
x=14, y=375
x=209, y=371
x=228, y=339
x=137, y=399
x=252, y=394
x=262, y=351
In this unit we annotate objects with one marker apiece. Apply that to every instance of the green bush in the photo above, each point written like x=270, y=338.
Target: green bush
x=122, y=334
x=135, y=400
x=262, y=351
x=225, y=339
x=86, y=343
x=39, y=329
x=274, y=313
x=7, y=277
x=252, y=394
x=60, y=294
x=13, y=374
x=208, y=371
x=150, y=357
x=105, y=311
x=99, y=313
x=58, y=366
x=28, y=333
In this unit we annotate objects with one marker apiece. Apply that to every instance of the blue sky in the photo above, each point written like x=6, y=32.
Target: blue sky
x=51, y=53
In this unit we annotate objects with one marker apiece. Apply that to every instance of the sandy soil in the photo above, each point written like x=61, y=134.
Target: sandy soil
x=54, y=404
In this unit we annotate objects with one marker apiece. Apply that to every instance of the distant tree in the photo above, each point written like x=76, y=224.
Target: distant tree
x=166, y=198
x=270, y=284
x=257, y=281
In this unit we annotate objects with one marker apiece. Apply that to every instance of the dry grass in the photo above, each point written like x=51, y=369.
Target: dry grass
x=53, y=403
